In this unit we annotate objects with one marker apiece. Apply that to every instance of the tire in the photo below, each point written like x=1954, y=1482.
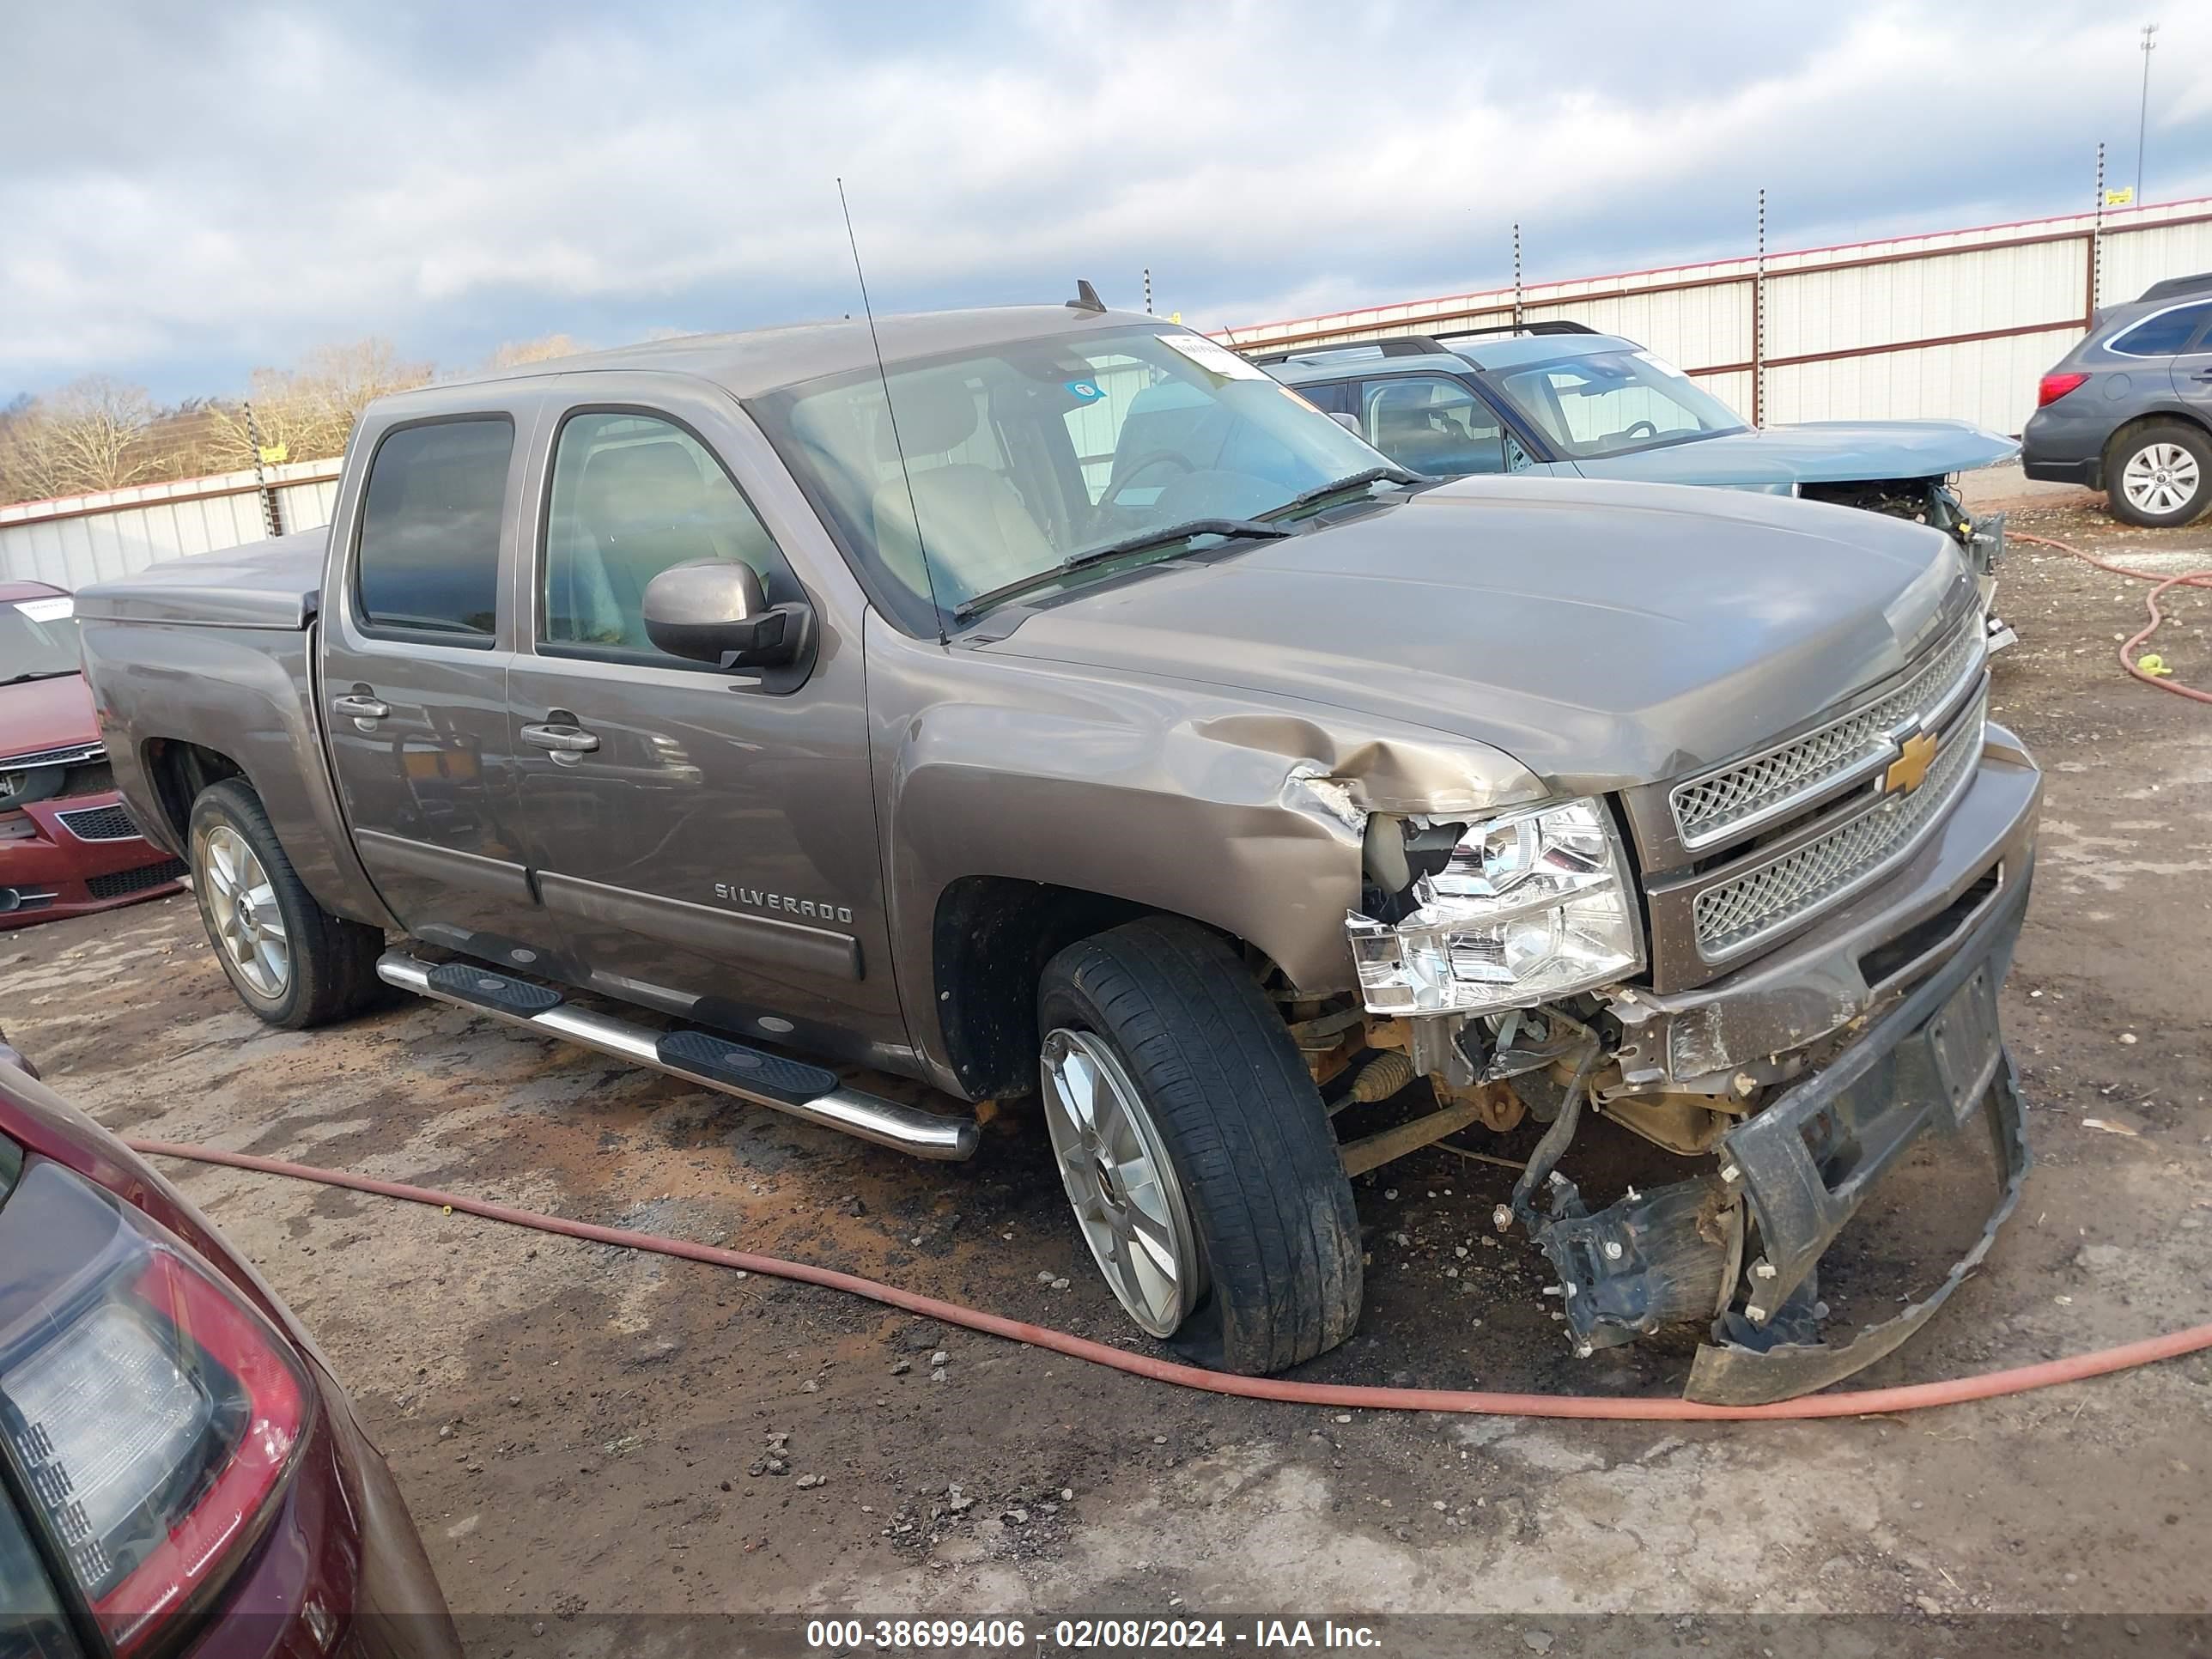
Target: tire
x=2158, y=475
x=1253, y=1172
x=329, y=963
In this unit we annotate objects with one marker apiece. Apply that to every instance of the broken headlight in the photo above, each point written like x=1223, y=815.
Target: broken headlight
x=1532, y=904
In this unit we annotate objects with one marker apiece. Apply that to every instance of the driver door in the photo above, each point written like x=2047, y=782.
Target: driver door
x=705, y=840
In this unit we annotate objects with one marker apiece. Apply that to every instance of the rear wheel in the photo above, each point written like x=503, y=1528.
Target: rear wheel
x=1195, y=1149
x=290, y=961
x=2159, y=475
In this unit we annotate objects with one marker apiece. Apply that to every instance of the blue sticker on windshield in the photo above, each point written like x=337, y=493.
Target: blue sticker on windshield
x=1083, y=390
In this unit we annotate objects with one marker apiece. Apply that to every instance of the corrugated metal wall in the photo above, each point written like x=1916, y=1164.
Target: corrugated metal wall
x=83, y=538
x=1955, y=324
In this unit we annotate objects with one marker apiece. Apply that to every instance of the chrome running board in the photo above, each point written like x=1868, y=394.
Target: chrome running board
x=812, y=1092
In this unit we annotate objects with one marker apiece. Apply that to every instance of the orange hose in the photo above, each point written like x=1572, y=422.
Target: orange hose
x=1912, y=1397
x=2192, y=579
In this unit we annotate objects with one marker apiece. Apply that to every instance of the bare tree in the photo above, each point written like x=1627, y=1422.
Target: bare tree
x=309, y=411
x=89, y=435
x=517, y=353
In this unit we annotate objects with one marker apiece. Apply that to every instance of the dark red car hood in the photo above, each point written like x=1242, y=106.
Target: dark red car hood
x=46, y=714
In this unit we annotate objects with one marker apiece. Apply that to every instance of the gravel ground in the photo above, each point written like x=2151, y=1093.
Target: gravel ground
x=582, y=1431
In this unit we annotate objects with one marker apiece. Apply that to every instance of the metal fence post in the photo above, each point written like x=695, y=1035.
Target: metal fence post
x=271, y=520
x=1758, y=321
x=2097, y=245
x=1516, y=276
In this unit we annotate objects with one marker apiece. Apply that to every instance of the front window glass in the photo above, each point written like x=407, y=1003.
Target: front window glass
x=1432, y=424
x=1036, y=451
x=38, y=639
x=633, y=496
x=1613, y=403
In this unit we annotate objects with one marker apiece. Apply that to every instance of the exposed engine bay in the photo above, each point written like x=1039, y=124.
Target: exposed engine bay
x=1935, y=502
x=1461, y=920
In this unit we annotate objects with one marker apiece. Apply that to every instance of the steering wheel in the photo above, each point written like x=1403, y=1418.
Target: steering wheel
x=1649, y=430
x=1143, y=463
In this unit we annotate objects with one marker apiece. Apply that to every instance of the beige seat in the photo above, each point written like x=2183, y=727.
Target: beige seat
x=978, y=532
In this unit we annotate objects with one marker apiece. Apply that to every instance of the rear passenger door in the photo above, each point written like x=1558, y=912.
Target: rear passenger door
x=2192, y=367
x=706, y=839
x=416, y=647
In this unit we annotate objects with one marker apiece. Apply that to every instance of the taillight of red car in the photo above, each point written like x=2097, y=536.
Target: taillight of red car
x=2052, y=387
x=152, y=1417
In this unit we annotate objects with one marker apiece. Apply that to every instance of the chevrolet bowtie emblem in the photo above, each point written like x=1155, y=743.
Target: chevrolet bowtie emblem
x=1914, y=756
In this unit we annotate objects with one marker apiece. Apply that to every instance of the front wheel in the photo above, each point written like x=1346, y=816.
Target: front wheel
x=1195, y=1149
x=2157, y=476
x=290, y=961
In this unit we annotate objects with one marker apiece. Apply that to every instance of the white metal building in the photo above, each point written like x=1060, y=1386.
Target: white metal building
x=1956, y=324
x=78, y=539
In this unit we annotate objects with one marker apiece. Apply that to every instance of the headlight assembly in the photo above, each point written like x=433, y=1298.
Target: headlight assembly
x=1533, y=904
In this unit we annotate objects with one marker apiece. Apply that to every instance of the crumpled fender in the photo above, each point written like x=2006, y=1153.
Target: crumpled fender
x=1180, y=796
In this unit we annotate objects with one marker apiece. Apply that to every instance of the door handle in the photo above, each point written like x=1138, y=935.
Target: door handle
x=561, y=737
x=2201, y=374
x=356, y=705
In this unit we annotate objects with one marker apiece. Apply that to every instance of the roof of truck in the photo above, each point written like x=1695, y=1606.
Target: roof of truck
x=764, y=360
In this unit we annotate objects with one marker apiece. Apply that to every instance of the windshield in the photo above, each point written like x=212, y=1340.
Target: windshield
x=38, y=637
x=1029, y=455
x=1613, y=403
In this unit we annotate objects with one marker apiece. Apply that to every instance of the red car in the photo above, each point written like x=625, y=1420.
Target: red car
x=179, y=1473
x=66, y=845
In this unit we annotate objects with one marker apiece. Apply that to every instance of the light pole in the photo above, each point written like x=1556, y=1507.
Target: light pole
x=2142, y=110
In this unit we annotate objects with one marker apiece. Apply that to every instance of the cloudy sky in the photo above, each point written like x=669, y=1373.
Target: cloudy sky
x=185, y=196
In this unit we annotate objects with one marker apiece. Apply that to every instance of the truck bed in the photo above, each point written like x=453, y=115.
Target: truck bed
x=273, y=584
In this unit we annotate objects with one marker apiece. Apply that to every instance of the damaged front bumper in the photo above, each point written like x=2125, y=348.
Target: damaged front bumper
x=1791, y=1177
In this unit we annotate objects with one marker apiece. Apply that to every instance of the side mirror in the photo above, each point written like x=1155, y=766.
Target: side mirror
x=718, y=612
x=1349, y=422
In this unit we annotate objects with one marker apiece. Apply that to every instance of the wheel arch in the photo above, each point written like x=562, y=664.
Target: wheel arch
x=2163, y=415
x=990, y=939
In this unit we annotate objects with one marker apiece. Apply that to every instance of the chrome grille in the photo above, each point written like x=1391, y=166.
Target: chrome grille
x=71, y=756
x=1732, y=916
x=1765, y=787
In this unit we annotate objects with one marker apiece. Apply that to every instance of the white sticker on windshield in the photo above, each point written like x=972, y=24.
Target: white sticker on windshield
x=46, y=610
x=1215, y=357
x=1660, y=363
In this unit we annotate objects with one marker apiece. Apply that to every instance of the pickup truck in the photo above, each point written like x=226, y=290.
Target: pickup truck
x=757, y=705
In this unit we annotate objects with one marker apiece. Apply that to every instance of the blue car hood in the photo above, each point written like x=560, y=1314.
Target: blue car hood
x=1819, y=452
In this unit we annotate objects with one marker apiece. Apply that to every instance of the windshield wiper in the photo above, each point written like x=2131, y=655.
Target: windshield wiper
x=37, y=674
x=1373, y=475
x=1144, y=541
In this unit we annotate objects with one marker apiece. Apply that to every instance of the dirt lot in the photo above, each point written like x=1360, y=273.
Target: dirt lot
x=583, y=1432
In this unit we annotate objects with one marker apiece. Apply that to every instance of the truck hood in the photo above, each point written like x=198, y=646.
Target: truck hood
x=1604, y=634
x=41, y=714
x=1774, y=458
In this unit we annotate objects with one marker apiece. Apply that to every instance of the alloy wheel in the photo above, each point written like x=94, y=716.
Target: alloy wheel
x=248, y=925
x=1119, y=1180
x=2160, y=478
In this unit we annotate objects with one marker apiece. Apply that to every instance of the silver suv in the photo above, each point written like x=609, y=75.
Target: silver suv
x=2128, y=409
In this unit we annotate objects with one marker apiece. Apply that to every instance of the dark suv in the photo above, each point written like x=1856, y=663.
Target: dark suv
x=2128, y=409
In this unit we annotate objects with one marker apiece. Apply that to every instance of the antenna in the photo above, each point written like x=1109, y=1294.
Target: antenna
x=884, y=375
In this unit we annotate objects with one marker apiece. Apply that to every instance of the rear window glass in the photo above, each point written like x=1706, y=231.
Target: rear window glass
x=428, y=562
x=2163, y=335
